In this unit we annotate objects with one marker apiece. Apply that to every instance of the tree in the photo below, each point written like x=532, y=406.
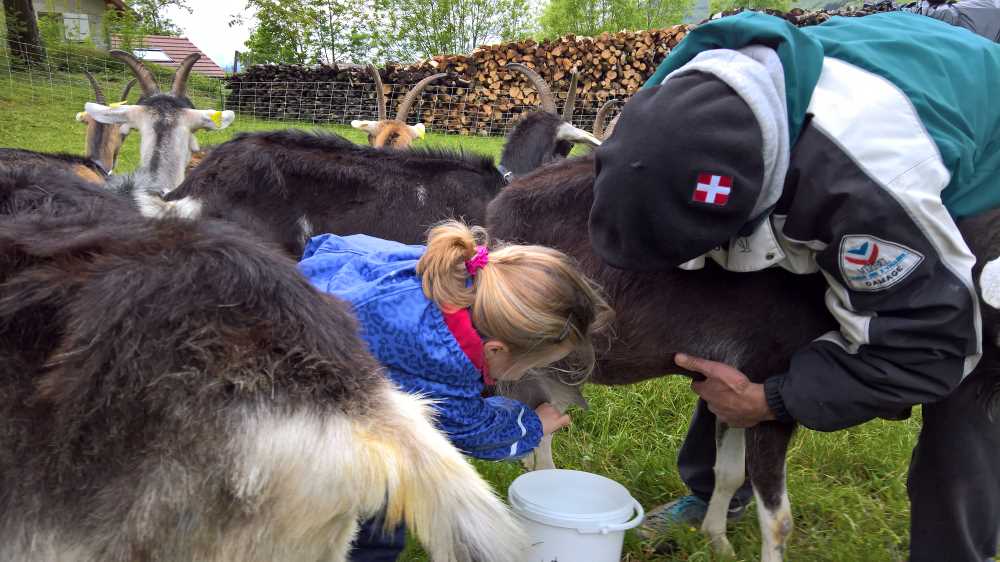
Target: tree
x=431, y=27
x=592, y=17
x=309, y=31
x=152, y=13
x=22, y=30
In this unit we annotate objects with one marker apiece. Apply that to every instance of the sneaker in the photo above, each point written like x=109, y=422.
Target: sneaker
x=688, y=510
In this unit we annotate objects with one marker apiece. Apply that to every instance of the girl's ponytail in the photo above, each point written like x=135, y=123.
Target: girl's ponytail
x=442, y=268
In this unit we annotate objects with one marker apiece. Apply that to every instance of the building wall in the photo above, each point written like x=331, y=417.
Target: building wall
x=81, y=18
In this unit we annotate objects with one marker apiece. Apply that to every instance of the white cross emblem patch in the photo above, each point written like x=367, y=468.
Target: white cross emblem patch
x=713, y=189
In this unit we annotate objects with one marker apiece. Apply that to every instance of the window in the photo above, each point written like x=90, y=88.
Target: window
x=153, y=55
x=77, y=26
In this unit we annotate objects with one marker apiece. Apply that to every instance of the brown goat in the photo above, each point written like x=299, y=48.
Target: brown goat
x=394, y=133
x=722, y=316
x=104, y=142
x=177, y=391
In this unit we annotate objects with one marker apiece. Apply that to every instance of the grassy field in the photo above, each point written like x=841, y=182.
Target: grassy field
x=847, y=488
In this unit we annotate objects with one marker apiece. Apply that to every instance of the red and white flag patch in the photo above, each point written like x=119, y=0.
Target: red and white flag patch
x=713, y=189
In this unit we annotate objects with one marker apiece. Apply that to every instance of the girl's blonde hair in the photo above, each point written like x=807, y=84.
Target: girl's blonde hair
x=532, y=298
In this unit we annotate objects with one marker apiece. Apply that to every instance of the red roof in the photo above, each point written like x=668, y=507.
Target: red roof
x=177, y=48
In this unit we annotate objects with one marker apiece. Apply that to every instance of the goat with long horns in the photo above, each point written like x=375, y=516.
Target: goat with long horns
x=394, y=133
x=166, y=121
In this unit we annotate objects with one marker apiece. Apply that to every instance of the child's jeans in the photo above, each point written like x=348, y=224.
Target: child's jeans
x=373, y=545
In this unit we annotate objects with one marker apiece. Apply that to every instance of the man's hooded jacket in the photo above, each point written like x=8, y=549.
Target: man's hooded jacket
x=846, y=149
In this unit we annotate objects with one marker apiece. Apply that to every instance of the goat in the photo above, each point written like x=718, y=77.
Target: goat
x=709, y=313
x=287, y=185
x=104, y=141
x=177, y=391
x=84, y=168
x=542, y=136
x=102, y=146
x=166, y=123
x=394, y=133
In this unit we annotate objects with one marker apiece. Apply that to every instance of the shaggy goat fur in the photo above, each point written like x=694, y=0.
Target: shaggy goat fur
x=177, y=391
x=85, y=168
x=289, y=185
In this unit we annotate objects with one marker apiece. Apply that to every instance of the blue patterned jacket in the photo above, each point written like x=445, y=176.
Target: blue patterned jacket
x=409, y=335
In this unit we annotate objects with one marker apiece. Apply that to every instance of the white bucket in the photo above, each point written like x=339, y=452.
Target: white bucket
x=573, y=516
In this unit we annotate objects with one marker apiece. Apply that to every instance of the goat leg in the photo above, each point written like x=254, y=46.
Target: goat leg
x=541, y=457
x=766, y=451
x=730, y=473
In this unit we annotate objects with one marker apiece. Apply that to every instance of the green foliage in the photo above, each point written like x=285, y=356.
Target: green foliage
x=715, y=6
x=152, y=14
x=431, y=27
x=126, y=26
x=592, y=17
x=310, y=31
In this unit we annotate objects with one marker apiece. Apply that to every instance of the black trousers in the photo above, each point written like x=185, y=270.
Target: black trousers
x=374, y=545
x=954, y=480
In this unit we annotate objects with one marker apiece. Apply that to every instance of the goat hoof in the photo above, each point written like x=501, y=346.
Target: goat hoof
x=722, y=547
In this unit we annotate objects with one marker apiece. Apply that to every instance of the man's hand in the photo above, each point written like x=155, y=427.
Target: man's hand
x=729, y=393
x=552, y=420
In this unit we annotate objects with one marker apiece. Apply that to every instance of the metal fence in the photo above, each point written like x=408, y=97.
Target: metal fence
x=57, y=77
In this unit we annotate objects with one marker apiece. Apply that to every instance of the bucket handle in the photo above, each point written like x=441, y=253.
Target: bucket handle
x=640, y=514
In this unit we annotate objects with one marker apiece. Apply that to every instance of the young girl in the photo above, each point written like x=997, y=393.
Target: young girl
x=448, y=318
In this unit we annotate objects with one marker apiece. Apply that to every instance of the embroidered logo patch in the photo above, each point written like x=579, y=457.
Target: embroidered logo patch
x=713, y=189
x=868, y=263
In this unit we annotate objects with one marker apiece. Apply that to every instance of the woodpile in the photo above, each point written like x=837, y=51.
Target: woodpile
x=480, y=95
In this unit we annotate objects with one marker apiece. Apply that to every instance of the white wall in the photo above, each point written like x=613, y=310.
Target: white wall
x=82, y=18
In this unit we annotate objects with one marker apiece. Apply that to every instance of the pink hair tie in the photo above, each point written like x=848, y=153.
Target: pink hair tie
x=478, y=261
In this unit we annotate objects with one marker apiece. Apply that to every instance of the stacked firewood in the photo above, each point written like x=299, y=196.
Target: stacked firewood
x=479, y=95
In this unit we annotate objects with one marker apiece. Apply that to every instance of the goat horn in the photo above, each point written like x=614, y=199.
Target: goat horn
x=571, y=98
x=128, y=88
x=379, y=92
x=97, y=89
x=146, y=80
x=179, y=86
x=404, y=107
x=544, y=93
x=602, y=117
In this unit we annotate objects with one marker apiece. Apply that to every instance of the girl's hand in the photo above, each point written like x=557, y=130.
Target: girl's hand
x=552, y=420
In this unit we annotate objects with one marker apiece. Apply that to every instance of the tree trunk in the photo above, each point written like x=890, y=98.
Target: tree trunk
x=22, y=31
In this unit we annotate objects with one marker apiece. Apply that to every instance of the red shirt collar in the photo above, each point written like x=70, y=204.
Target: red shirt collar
x=460, y=324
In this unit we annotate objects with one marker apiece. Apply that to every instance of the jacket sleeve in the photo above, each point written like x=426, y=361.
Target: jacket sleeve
x=494, y=428
x=900, y=286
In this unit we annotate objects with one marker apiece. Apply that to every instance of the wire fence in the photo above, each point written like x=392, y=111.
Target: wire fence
x=56, y=76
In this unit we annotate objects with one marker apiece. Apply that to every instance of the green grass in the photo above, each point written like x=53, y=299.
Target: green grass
x=847, y=488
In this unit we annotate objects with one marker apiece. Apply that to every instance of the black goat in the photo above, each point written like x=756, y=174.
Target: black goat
x=81, y=166
x=710, y=313
x=287, y=185
x=177, y=391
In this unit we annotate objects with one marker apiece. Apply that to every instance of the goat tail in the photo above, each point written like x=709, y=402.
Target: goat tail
x=443, y=500
x=151, y=204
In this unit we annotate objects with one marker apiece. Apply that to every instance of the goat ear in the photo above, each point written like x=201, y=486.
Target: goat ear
x=370, y=127
x=212, y=119
x=108, y=115
x=567, y=132
x=419, y=130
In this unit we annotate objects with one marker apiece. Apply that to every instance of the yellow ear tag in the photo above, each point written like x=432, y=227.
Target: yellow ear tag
x=217, y=118
x=117, y=104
